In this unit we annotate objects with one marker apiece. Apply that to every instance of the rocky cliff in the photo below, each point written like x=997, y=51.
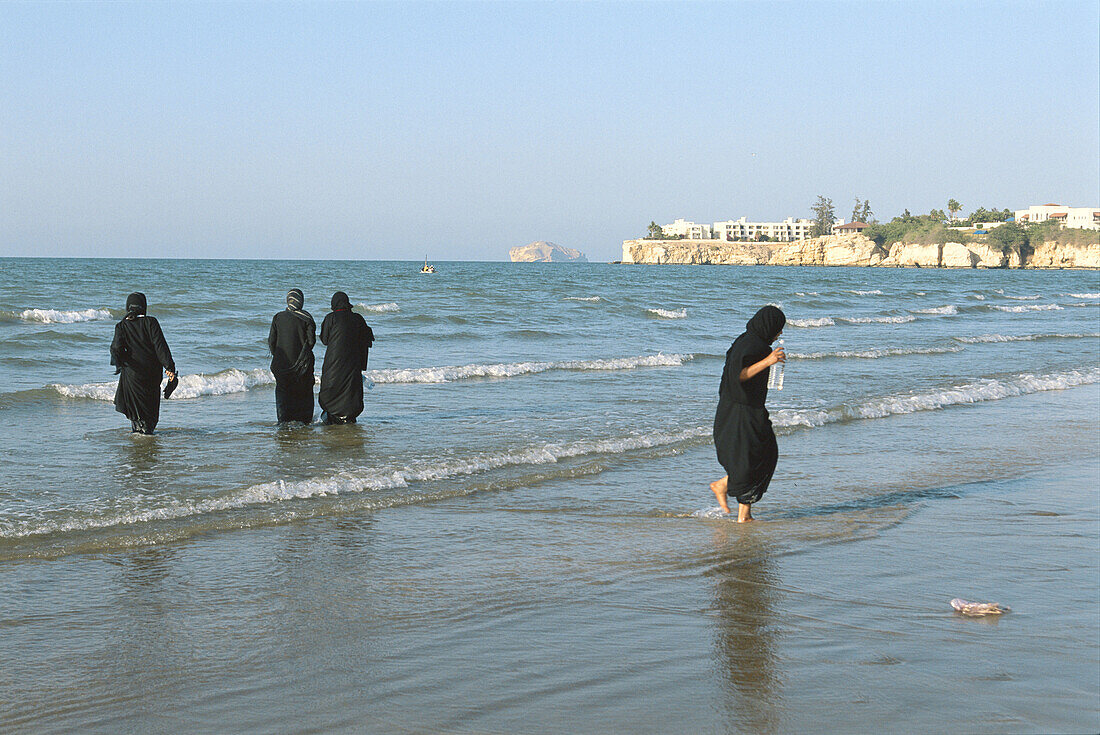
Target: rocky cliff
x=856, y=250
x=541, y=251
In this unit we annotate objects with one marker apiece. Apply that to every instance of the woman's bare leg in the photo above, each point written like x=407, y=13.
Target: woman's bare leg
x=744, y=513
x=718, y=487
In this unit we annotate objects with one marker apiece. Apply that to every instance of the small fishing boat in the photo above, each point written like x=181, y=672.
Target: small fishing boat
x=426, y=268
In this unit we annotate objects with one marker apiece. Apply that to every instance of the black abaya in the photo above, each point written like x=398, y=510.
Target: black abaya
x=139, y=353
x=291, y=339
x=348, y=339
x=743, y=435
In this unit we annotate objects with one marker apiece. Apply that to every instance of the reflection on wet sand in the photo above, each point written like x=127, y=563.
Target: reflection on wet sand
x=745, y=600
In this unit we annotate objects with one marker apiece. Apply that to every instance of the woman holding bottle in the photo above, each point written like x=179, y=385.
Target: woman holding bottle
x=743, y=435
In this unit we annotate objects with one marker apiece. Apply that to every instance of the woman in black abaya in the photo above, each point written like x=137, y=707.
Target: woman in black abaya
x=139, y=353
x=291, y=339
x=743, y=434
x=349, y=340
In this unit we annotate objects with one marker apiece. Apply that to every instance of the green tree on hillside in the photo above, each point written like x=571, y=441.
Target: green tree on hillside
x=953, y=206
x=824, y=216
x=655, y=232
x=938, y=215
x=865, y=213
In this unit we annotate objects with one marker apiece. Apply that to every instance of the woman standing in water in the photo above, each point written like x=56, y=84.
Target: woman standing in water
x=743, y=432
x=291, y=339
x=349, y=340
x=138, y=353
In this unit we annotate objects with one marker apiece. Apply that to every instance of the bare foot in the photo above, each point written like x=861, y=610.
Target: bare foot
x=718, y=487
x=744, y=513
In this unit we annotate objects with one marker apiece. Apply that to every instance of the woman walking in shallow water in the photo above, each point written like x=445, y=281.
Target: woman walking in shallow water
x=743, y=434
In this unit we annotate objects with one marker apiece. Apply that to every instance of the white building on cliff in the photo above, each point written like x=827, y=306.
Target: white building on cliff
x=1085, y=218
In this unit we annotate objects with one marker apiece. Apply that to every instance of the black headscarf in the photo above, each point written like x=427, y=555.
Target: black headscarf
x=135, y=305
x=767, y=323
x=340, y=302
x=294, y=302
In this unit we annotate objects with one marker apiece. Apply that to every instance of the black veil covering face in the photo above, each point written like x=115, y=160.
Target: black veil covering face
x=290, y=340
x=743, y=434
x=349, y=340
x=139, y=354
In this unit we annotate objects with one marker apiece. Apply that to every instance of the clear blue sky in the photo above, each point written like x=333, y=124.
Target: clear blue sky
x=459, y=130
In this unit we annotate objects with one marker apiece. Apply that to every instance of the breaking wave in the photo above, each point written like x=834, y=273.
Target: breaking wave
x=875, y=292
x=396, y=478
x=1027, y=307
x=191, y=386
x=979, y=391
x=948, y=310
x=390, y=306
x=807, y=323
x=1084, y=295
x=877, y=319
x=1022, y=298
x=873, y=354
x=988, y=338
x=582, y=298
x=511, y=369
x=667, y=314
x=55, y=316
x=239, y=381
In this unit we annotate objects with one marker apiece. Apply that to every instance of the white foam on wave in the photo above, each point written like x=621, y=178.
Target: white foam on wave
x=874, y=292
x=948, y=310
x=582, y=298
x=1083, y=295
x=55, y=316
x=379, y=479
x=449, y=374
x=191, y=386
x=977, y=296
x=806, y=293
x=979, y=391
x=389, y=478
x=992, y=338
x=1027, y=307
x=809, y=323
x=1022, y=298
x=877, y=319
x=669, y=314
x=389, y=306
x=873, y=354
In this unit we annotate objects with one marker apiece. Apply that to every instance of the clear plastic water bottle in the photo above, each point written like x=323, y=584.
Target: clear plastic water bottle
x=368, y=383
x=775, y=377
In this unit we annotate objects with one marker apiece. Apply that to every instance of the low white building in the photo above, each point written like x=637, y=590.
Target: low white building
x=1085, y=218
x=742, y=230
x=689, y=230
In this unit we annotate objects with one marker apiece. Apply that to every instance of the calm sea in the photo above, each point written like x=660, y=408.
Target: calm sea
x=518, y=535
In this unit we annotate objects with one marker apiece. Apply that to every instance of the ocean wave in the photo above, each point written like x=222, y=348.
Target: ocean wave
x=191, y=386
x=874, y=292
x=239, y=381
x=389, y=306
x=582, y=298
x=668, y=314
x=1022, y=298
x=877, y=319
x=449, y=374
x=1027, y=307
x=992, y=338
x=950, y=309
x=808, y=323
x=56, y=316
x=873, y=354
x=378, y=479
x=397, y=478
x=977, y=296
x=1083, y=295
x=979, y=391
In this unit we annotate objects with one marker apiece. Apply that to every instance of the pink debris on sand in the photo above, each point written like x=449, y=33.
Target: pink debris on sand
x=978, y=608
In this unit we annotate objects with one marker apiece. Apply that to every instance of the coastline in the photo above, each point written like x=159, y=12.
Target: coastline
x=858, y=250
